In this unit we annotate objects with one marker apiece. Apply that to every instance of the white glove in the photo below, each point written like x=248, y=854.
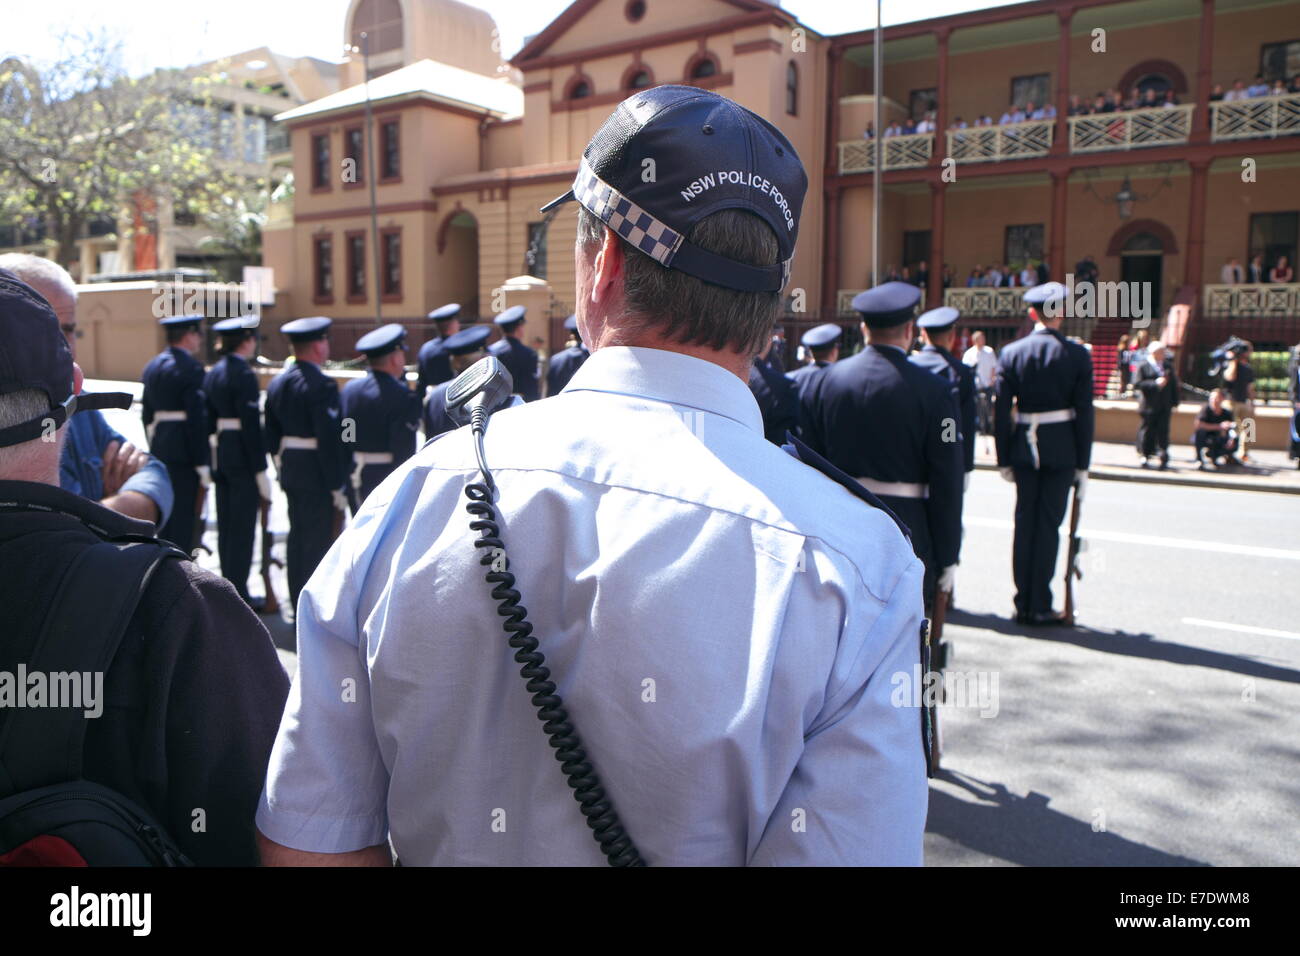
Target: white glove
x=264, y=486
x=1080, y=482
x=205, y=475
x=1007, y=474
x=948, y=578
x=340, y=500
x=965, y=482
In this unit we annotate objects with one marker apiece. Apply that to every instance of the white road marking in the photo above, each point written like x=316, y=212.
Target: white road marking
x=1242, y=628
x=1186, y=544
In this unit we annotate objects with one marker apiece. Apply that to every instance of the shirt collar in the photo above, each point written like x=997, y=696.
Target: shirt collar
x=897, y=348
x=106, y=523
x=663, y=376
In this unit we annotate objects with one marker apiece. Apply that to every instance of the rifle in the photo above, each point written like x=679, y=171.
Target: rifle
x=934, y=660
x=1072, y=569
x=200, y=520
x=272, y=606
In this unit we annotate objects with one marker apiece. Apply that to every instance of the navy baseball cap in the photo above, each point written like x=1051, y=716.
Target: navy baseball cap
x=34, y=355
x=707, y=154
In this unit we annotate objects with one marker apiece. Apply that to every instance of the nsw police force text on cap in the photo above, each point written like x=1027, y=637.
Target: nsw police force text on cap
x=724, y=176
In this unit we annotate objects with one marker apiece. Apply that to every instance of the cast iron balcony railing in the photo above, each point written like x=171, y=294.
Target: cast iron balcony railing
x=844, y=302
x=988, y=303
x=991, y=144
x=900, y=152
x=1131, y=129
x=1261, y=117
x=1273, y=299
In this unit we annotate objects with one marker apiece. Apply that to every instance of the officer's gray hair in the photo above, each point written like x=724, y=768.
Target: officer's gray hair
x=15, y=409
x=689, y=310
x=39, y=272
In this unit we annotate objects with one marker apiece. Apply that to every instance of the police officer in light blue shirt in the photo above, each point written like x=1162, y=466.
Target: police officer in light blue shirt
x=727, y=625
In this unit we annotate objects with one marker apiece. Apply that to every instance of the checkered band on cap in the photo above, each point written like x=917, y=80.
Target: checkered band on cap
x=625, y=217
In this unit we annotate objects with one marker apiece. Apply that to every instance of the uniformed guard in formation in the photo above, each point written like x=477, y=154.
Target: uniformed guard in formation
x=1044, y=426
x=890, y=424
x=304, y=431
x=175, y=419
x=382, y=410
x=238, y=454
x=938, y=330
x=564, y=364
x=823, y=345
x=518, y=358
x=434, y=362
x=464, y=349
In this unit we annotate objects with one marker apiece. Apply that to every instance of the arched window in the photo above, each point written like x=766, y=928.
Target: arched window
x=579, y=88
x=1144, y=242
x=704, y=66
x=792, y=89
x=381, y=21
x=638, y=80
x=637, y=76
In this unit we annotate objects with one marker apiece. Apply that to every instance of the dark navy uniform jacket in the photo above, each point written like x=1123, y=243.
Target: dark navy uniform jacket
x=521, y=362
x=877, y=415
x=805, y=374
x=434, y=364
x=232, y=392
x=941, y=362
x=386, y=414
x=778, y=401
x=303, y=401
x=173, y=382
x=435, y=418
x=1043, y=372
x=563, y=365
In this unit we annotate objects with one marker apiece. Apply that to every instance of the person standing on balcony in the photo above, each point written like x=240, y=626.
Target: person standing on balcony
x=1230, y=274
x=1217, y=94
x=1085, y=270
x=1044, y=273
x=1255, y=271
x=1279, y=88
x=993, y=277
x=923, y=274
x=1077, y=106
x=1150, y=100
x=1171, y=99
x=1028, y=275
x=1238, y=92
x=1281, y=271
x=1258, y=88
x=1294, y=85
x=870, y=131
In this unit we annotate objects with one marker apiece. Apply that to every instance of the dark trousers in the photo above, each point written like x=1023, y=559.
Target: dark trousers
x=1041, y=497
x=311, y=532
x=1153, y=433
x=237, y=504
x=181, y=526
x=911, y=511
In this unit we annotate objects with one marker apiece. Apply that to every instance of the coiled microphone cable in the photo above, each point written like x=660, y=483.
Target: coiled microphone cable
x=479, y=391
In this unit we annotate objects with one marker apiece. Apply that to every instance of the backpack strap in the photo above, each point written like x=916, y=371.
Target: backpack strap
x=92, y=607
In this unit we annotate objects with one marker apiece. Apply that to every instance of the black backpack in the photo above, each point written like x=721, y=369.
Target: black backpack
x=49, y=814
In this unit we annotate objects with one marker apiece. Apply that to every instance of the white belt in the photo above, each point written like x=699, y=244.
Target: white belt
x=229, y=425
x=297, y=441
x=173, y=416
x=895, y=489
x=1034, y=419
x=362, y=458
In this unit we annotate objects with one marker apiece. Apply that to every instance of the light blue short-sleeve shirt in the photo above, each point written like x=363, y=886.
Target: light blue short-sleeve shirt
x=726, y=625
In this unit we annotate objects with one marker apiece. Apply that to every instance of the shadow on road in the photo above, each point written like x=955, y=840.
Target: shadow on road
x=1128, y=643
x=1026, y=831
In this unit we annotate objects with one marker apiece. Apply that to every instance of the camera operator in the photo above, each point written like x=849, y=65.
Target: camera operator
x=1239, y=380
x=1213, y=438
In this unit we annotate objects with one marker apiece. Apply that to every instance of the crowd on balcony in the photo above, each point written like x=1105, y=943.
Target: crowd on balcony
x=1112, y=101
x=1256, y=273
x=1260, y=87
x=1005, y=276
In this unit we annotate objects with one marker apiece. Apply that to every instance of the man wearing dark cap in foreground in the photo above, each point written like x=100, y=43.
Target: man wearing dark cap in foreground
x=433, y=361
x=664, y=549
x=518, y=358
x=304, y=430
x=1044, y=427
x=382, y=409
x=464, y=349
x=565, y=363
x=175, y=419
x=893, y=426
x=193, y=681
x=238, y=454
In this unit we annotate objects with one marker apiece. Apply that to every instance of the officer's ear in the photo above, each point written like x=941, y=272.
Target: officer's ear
x=78, y=378
x=607, y=269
